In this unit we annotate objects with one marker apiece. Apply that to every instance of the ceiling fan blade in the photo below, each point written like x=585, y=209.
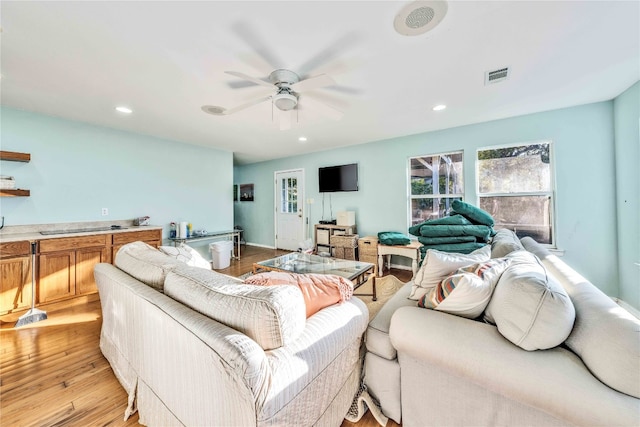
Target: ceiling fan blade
x=251, y=79
x=285, y=119
x=346, y=89
x=312, y=83
x=240, y=84
x=323, y=108
x=258, y=45
x=329, y=53
x=246, y=105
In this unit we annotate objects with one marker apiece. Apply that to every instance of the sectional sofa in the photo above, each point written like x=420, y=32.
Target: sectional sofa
x=550, y=349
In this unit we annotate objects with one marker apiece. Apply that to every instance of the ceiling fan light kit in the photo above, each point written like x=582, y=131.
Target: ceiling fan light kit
x=288, y=86
x=285, y=101
x=420, y=16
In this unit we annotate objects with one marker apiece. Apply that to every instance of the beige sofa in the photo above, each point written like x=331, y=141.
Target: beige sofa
x=429, y=368
x=198, y=348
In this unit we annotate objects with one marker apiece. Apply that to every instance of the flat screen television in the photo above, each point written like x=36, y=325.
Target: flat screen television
x=338, y=178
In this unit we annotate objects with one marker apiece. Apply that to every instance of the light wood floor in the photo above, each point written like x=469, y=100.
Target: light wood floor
x=52, y=372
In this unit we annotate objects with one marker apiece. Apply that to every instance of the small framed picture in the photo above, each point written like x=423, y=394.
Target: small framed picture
x=246, y=192
x=235, y=192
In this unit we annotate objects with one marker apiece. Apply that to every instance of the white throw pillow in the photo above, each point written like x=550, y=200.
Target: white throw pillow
x=437, y=265
x=529, y=307
x=467, y=292
x=186, y=254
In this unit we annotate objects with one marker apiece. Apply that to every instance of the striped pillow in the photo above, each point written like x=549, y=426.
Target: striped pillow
x=467, y=292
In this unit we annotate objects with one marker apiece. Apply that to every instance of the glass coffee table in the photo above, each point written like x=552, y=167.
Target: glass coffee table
x=296, y=262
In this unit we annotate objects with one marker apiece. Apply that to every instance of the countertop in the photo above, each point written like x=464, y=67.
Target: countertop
x=32, y=232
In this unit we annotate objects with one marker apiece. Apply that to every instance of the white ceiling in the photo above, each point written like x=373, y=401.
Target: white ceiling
x=78, y=60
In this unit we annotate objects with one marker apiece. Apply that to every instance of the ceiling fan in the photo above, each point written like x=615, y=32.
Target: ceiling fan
x=289, y=90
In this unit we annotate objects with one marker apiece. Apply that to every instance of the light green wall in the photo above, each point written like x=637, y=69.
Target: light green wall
x=76, y=169
x=585, y=177
x=627, y=152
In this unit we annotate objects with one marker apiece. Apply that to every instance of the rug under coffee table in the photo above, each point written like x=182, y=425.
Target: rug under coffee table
x=296, y=262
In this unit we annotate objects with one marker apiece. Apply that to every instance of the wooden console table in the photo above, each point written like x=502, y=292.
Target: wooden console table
x=412, y=250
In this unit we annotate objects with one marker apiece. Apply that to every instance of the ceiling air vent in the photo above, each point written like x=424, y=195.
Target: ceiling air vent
x=496, y=76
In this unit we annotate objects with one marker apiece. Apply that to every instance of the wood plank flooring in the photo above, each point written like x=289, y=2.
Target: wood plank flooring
x=52, y=372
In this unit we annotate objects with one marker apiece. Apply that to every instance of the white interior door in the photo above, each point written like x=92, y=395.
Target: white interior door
x=289, y=200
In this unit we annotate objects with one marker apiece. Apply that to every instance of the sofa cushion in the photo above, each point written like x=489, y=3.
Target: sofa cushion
x=186, y=254
x=467, y=292
x=504, y=242
x=377, y=338
x=145, y=263
x=437, y=265
x=272, y=316
x=605, y=336
x=473, y=213
x=529, y=307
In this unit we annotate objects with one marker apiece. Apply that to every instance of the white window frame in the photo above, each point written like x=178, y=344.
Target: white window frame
x=552, y=177
x=411, y=197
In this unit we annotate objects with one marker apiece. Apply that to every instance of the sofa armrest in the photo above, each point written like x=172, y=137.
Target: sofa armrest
x=554, y=381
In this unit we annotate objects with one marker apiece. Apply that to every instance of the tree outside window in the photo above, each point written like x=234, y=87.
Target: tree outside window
x=515, y=186
x=435, y=181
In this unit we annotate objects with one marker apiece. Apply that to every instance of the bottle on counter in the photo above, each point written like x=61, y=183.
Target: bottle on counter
x=189, y=230
x=172, y=230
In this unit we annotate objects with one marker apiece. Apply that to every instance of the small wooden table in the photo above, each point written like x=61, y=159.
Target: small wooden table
x=356, y=271
x=412, y=250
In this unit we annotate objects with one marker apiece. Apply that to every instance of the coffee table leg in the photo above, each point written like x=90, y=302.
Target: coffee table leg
x=373, y=283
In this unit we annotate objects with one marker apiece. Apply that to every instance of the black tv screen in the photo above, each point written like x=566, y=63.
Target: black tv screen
x=338, y=178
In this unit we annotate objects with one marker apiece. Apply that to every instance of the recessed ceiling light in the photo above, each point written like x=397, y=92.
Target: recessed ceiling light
x=439, y=107
x=302, y=139
x=125, y=110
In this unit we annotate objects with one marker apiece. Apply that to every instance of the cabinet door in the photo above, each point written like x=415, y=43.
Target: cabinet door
x=15, y=284
x=57, y=276
x=150, y=237
x=86, y=260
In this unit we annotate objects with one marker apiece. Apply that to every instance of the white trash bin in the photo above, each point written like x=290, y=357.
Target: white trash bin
x=221, y=254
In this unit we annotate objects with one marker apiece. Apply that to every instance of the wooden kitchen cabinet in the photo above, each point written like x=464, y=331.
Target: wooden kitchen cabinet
x=15, y=276
x=150, y=237
x=66, y=266
x=57, y=276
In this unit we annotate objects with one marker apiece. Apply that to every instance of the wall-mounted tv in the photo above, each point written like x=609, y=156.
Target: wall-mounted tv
x=338, y=178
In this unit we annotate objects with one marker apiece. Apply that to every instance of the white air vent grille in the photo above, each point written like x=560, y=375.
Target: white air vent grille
x=496, y=76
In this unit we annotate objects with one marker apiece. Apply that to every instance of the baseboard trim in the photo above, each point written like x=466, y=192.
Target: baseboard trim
x=260, y=246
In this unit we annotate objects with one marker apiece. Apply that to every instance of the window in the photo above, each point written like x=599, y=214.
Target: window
x=515, y=185
x=434, y=182
x=289, y=195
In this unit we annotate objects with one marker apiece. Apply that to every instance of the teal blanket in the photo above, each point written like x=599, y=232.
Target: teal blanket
x=446, y=220
x=445, y=240
x=393, y=238
x=481, y=231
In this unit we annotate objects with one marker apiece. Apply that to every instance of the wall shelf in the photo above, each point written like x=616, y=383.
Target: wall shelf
x=13, y=156
x=15, y=193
